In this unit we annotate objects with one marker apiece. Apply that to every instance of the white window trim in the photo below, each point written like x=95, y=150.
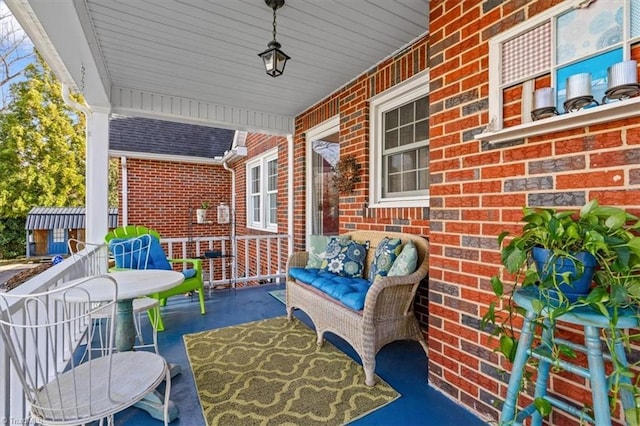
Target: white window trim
x=261, y=161
x=495, y=133
x=407, y=91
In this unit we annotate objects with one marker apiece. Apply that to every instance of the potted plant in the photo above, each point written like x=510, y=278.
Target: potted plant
x=201, y=213
x=569, y=259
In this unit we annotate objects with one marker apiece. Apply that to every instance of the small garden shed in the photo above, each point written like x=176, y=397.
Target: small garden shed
x=50, y=228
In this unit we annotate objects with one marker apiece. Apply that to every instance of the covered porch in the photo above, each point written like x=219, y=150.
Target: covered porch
x=364, y=74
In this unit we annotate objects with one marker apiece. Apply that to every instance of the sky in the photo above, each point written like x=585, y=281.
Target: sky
x=7, y=26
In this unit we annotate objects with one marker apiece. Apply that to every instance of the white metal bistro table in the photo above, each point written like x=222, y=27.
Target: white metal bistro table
x=132, y=284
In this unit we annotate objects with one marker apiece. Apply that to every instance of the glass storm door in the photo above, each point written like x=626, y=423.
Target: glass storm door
x=324, y=197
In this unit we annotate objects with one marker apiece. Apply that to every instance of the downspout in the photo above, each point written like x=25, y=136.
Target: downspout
x=238, y=149
x=125, y=191
x=234, y=244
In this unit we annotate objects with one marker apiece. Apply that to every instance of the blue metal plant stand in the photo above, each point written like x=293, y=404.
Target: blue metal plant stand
x=592, y=322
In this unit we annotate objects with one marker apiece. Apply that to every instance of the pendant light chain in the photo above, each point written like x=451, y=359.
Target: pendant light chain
x=274, y=59
x=274, y=24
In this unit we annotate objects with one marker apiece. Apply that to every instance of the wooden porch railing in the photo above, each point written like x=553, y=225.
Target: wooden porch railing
x=253, y=260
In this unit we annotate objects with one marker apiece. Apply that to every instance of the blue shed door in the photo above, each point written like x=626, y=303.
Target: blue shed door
x=58, y=241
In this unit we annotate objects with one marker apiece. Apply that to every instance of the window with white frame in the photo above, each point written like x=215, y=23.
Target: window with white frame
x=574, y=37
x=262, y=192
x=399, y=145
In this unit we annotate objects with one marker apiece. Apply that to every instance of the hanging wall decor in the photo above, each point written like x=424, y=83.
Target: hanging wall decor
x=347, y=174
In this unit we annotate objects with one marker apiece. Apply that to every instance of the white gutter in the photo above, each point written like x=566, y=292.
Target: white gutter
x=75, y=105
x=125, y=192
x=238, y=149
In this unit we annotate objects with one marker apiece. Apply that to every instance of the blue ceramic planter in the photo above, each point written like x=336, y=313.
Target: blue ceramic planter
x=580, y=285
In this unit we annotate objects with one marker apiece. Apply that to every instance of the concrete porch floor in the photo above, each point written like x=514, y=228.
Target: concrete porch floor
x=401, y=364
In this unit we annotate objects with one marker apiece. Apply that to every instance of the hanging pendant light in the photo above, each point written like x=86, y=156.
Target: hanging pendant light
x=274, y=59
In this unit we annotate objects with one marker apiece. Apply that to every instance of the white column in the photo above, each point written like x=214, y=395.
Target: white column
x=97, y=176
x=290, y=197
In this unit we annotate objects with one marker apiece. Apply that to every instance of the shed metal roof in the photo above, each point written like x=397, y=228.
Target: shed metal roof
x=63, y=218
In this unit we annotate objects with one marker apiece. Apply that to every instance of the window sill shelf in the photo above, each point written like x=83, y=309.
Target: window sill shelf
x=599, y=114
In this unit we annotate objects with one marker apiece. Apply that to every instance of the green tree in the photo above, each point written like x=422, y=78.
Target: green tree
x=42, y=146
x=114, y=173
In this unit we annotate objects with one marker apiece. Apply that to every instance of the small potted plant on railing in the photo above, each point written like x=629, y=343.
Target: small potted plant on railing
x=573, y=259
x=201, y=213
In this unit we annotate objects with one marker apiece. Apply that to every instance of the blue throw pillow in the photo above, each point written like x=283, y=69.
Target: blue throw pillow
x=129, y=253
x=386, y=253
x=157, y=258
x=345, y=258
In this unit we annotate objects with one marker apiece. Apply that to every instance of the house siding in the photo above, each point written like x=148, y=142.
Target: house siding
x=479, y=190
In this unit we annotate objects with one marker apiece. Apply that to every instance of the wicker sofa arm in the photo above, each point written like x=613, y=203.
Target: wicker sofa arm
x=297, y=260
x=391, y=296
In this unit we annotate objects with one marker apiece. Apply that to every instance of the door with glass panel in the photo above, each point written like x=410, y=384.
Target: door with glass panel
x=322, y=195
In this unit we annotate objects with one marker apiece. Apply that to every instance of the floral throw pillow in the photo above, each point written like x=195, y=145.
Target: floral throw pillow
x=345, y=257
x=386, y=253
x=317, y=248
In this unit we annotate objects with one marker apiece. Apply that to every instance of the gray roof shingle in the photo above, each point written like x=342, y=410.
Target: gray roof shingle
x=137, y=134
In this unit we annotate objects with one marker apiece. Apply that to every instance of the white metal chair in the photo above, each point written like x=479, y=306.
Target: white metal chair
x=43, y=333
x=130, y=254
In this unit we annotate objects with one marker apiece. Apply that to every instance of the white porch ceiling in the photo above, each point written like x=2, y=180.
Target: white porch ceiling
x=196, y=61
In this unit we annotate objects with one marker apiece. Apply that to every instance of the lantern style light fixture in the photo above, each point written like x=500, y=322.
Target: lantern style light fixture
x=274, y=59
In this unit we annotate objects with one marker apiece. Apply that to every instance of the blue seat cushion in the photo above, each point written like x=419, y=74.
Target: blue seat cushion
x=189, y=273
x=350, y=291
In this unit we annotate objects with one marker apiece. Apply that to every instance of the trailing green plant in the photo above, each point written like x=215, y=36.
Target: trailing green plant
x=611, y=236
x=204, y=205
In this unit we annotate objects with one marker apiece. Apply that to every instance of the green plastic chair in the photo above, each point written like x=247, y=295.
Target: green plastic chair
x=190, y=284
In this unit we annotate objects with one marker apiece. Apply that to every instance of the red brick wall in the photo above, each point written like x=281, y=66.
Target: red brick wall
x=479, y=190
x=352, y=104
x=162, y=194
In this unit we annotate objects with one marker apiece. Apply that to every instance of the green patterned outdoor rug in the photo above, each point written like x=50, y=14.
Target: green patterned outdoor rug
x=271, y=372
